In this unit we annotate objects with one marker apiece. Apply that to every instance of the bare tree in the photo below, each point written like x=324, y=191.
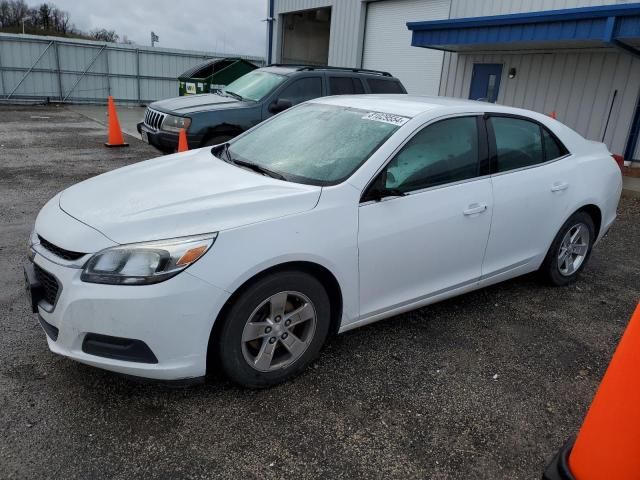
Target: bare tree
x=104, y=35
x=46, y=18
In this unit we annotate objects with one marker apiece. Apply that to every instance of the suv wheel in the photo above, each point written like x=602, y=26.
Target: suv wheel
x=274, y=329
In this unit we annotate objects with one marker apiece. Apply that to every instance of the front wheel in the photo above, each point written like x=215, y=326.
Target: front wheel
x=570, y=250
x=274, y=329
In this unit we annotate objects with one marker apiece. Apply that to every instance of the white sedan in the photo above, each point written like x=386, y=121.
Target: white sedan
x=334, y=214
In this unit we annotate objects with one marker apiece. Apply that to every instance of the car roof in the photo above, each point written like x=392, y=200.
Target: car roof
x=413, y=105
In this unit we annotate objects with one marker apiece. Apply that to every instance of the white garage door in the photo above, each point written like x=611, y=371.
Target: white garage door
x=387, y=42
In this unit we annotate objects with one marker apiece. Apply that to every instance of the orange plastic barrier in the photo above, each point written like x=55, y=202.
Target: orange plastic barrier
x=115, y=133
x=608, y=444
x=183, y=146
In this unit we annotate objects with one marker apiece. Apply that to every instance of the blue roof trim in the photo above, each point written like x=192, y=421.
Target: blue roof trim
x=531, y=17
x=602, y=26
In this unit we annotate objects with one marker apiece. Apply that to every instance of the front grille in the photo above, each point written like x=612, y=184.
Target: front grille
x=60, y=252
x=50, y=285
x=153, y=119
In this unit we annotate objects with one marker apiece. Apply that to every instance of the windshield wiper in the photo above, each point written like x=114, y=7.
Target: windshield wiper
x=255, y=167
x=234, y=95
x=224, y=148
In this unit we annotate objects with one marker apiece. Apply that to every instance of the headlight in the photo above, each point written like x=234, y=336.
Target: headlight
x=33, y=239
x=146, y=263
x=171, y=123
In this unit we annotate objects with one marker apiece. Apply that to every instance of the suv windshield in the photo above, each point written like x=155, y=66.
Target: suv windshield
x=254, y=85
x=315, y=143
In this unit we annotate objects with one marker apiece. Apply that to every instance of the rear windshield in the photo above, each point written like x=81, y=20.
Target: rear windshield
x=315, y=143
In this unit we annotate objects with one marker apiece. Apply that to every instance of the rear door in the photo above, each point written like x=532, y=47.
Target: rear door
x=532, y=184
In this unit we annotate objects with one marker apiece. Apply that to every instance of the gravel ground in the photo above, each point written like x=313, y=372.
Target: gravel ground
x=487, y=385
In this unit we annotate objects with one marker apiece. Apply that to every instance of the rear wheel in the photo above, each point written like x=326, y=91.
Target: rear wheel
x=274, y=329
x=570, y=250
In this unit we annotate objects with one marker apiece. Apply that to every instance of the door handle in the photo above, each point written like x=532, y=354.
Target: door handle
x=475, y=208
x=559, y=186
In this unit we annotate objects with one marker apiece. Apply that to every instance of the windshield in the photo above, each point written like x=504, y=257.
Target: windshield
x=315, y=143
x=255, y=85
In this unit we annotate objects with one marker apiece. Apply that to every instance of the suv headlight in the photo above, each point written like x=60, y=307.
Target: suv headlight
x=146, y=263
x=171, y=123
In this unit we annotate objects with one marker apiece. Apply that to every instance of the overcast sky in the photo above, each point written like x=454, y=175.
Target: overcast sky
x=226, y=26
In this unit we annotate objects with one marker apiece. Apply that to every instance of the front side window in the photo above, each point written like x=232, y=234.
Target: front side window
x=315, y=143
x=302, y=90
x=518, y=143
x=255, y=85
x=444, y=152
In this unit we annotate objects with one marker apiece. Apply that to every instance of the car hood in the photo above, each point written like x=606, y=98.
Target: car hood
x=197, y=103
x=182, y=194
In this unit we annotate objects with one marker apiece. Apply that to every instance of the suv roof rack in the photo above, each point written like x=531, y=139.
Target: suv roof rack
x=300, y=68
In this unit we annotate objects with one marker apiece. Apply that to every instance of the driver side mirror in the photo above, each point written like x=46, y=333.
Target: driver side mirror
x=376, y=189
x=280, y=105
x=379, y=188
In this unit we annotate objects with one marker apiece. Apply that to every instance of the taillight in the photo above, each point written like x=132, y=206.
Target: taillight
x=619, y=159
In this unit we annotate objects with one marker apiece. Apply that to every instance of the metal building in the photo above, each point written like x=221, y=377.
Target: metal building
x=577, y=59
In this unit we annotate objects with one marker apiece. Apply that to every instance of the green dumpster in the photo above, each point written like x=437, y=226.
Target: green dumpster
x=212, y=75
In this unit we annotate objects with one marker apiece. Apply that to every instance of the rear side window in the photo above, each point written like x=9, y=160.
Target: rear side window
x=518, y=143
x=345, y=86
x=379, y=85
x=552, y=147
x=302, y=90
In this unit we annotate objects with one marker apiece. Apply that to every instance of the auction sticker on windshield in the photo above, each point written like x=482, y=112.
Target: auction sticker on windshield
x=386, y=118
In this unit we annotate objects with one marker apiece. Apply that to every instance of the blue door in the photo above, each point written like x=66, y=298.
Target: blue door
x=485, y=82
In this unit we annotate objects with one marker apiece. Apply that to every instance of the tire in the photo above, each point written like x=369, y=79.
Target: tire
x=282, y=346
x=218, y=139
x=561, y=266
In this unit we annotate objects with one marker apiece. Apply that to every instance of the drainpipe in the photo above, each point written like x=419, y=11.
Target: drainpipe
x=270, y=21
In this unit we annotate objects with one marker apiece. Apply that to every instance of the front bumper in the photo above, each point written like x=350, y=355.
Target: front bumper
x=173, y=319
x=166, y=142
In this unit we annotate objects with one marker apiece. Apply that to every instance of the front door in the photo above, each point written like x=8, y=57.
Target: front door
x=485, y=82
x=429, y=235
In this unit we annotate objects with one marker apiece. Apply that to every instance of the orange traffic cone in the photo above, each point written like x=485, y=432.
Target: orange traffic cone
x=183, y=146
x=608, y=444
x=115, y=133
x=553, y=115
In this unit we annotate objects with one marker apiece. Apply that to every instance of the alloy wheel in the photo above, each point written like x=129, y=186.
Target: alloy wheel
x=573, y=249
x=279, y=331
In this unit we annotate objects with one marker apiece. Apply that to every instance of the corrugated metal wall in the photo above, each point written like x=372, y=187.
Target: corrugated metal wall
x=35, y=67
x=387, y=43
x=347, y=27
x=481, y=8
x=579, y=87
